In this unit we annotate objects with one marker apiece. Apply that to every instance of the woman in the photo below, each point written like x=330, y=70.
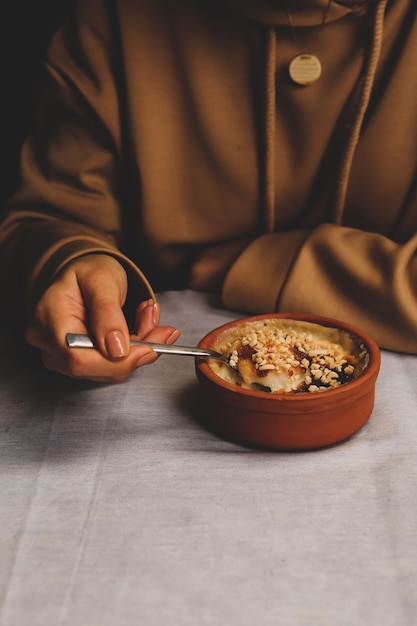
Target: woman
x=265, y=150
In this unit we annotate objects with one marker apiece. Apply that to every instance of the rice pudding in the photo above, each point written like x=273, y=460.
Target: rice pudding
x=289, y=356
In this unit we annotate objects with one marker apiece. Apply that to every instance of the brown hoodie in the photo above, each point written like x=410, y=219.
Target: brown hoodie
x=170, y=135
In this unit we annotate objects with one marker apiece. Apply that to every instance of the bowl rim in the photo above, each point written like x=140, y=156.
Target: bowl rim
x=370, y=371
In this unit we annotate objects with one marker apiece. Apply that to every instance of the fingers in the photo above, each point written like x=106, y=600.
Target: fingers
x=147, y=324
x=162, y=334
x=89, y=364
x=147, y=318
x=92, y=365
x=82, y=363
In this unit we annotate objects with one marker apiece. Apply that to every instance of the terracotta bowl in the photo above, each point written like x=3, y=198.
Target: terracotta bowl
x=287, y=421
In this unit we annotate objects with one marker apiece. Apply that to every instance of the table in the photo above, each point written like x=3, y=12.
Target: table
x=118, y=508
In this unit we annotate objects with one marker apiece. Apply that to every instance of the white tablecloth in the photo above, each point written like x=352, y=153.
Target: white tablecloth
x=118, y=508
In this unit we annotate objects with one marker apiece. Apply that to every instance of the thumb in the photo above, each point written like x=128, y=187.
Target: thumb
x=104, y=288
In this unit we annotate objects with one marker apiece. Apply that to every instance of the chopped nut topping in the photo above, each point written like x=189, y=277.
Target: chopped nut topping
x=282, y=357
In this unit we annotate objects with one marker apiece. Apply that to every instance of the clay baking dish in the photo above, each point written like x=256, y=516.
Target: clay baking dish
x=287, y=421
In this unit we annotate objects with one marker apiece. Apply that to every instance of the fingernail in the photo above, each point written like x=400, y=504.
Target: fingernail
x=155, y=313
x=146, y=359
x=115, y=344
x=174, y=336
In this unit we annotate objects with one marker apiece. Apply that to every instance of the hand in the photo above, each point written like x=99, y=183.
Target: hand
x=87, y=297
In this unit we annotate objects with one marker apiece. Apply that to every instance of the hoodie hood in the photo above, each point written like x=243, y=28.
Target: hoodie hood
x=304, y=12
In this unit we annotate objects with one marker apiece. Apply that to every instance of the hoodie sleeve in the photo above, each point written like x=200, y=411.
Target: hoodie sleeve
x=69, y=203
x=340, y=272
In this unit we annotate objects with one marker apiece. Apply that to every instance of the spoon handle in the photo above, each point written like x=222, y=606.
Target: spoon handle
x=75, y=340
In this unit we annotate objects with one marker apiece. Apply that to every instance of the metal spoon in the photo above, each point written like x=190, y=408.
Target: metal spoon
x=75, y=340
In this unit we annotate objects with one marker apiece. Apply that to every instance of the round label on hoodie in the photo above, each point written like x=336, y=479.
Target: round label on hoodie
x=305, y=69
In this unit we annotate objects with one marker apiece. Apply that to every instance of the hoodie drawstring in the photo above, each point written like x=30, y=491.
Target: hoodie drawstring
x=367, y=81
x=270, y=105
x=370, y=66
